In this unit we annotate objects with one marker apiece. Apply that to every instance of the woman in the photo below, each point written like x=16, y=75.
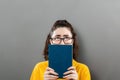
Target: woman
x=62, y=33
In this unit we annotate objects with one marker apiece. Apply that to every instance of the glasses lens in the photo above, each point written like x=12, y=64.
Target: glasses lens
x=56, y=40
x=66, y=40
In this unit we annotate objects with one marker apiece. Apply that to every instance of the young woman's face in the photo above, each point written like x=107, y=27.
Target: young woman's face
x=61, y=36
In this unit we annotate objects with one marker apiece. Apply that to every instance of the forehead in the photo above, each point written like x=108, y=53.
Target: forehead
x=62, y=31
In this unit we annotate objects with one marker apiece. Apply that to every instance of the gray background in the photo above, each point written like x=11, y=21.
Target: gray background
x=24, y=25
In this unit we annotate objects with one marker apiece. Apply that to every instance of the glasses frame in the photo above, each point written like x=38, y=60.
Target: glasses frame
x=61, y=40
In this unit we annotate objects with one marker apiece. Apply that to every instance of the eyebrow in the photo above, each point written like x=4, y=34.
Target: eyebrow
x=65, y=35
x=60, y=35
x=57, y=35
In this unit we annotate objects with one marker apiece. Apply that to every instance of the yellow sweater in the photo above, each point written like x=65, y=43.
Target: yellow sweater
x=39, y=69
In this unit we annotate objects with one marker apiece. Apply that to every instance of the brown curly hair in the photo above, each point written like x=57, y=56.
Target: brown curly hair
x=59, y=24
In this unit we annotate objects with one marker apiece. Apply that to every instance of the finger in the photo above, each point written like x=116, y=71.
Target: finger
x=67, y=76
x=69, y=72
x=71, y=68
x=51, y=76
x=70, y=76
x=53, y=73
x=50, y=73
x=46, y=73
x=49, y=69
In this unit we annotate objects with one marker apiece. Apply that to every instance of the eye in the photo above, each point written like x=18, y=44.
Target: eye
x=57, y=38
x=67, y=38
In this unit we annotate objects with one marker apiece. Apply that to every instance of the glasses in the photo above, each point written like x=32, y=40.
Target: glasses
x=66, y=40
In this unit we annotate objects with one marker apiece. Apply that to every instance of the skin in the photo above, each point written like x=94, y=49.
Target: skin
x=71, y=74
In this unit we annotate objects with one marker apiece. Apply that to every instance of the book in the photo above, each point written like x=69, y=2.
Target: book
x=60, y=58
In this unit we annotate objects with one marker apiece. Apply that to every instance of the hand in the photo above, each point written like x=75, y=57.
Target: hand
x=50, y=74
x=71, y=74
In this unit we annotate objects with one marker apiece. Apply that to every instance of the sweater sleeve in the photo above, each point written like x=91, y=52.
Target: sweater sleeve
x=35, y=73
x=84, y=73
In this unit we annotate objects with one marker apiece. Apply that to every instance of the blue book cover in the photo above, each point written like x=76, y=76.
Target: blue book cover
x=60, y=58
